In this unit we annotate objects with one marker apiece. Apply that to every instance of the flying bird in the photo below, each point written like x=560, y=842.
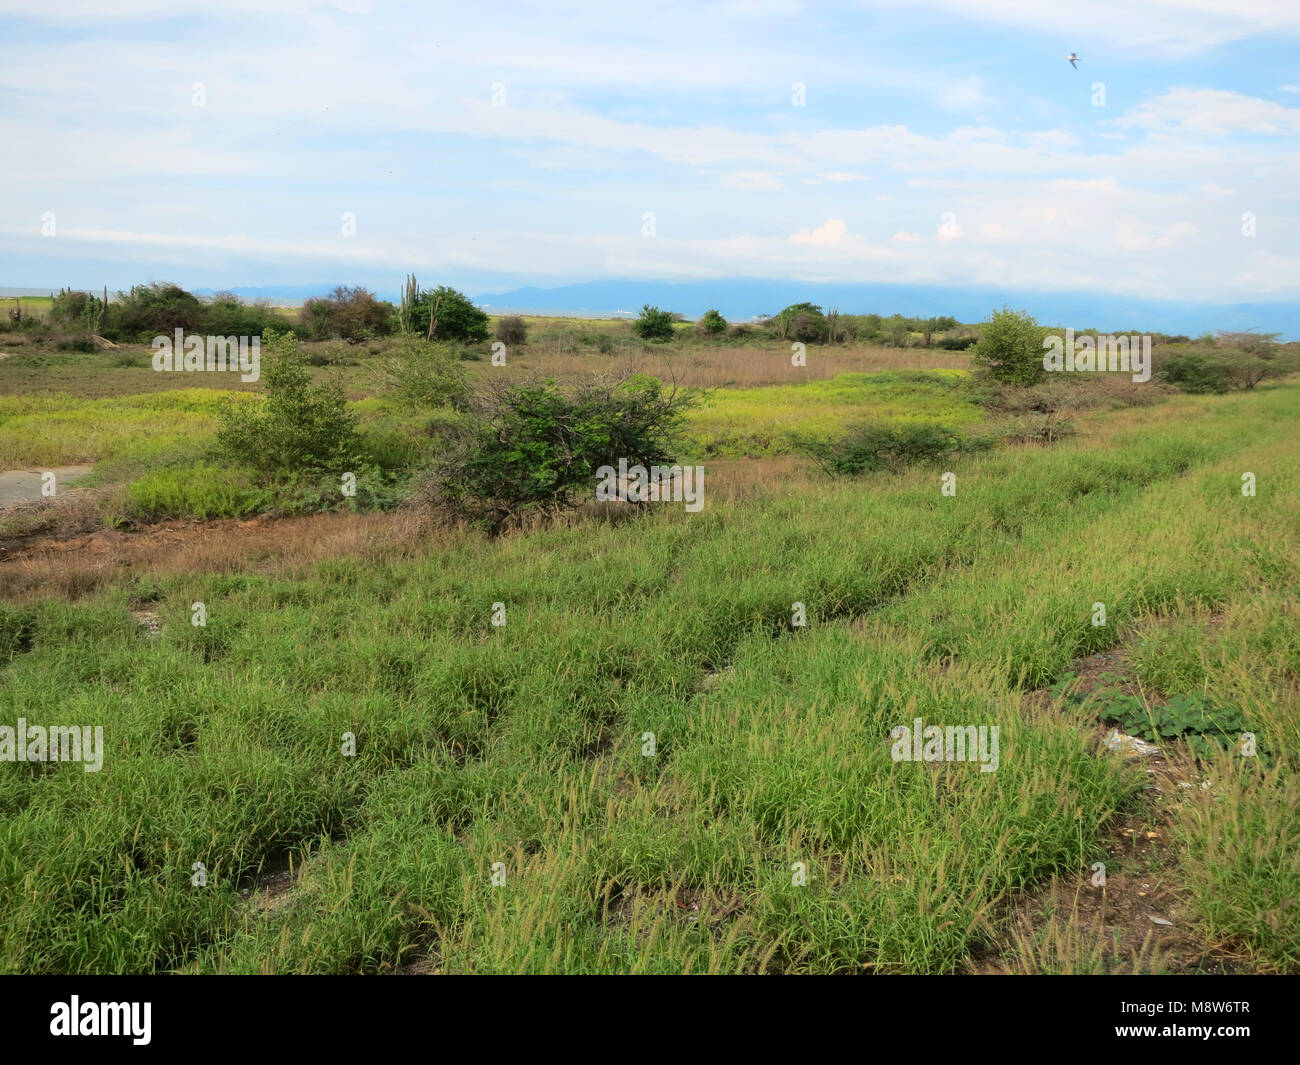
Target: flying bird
x=1072, y=57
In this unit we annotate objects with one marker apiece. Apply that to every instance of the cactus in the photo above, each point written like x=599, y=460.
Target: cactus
x=409, y=295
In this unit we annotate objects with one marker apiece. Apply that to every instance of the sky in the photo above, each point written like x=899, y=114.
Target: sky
x=949, y=142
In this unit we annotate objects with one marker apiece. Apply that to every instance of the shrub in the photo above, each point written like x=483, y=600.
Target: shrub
x=868, y=448
x=297, y=427
x=654, y=324
x=1010, y=345
x=426, y=375
x=1193, y=371
x=228, y=315
x=349, y=313
x=75, y=308
x=711, y=324
x=533, y=446
x=512, y=330
x=1046, y=429
x=960, y=342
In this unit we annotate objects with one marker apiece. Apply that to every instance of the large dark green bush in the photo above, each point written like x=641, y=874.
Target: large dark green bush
x=801, y=321
x=1194, y=371
x=452, y=315
x=155, y=309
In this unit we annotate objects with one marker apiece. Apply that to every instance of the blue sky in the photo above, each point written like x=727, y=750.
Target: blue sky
x=490, y=146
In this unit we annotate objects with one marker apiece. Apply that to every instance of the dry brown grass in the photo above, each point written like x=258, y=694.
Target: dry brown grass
x=71, y=566
x=77, y=565
x=722, y=367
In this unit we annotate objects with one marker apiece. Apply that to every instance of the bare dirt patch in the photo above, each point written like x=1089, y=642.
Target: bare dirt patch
x=1135, y=920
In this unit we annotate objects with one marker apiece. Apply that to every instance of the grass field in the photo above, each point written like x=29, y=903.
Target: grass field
x=650, y=767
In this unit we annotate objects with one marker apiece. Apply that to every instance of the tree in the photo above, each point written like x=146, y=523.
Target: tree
x=446, y=314
x=653, y=324
x=1010, y=345
x=930, y=326
x=811, y=322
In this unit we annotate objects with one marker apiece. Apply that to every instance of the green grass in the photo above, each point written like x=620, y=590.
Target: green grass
x=767, y=421
x=522, y=745
x=58, y=430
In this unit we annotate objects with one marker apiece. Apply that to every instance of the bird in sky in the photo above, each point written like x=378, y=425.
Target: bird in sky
x=1072, y=57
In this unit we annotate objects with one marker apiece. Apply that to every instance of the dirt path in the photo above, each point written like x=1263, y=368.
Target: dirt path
x=24, y=486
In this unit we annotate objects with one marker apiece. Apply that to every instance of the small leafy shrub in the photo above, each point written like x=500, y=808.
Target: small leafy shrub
x=875, y=447
x=1045, y=430
x=297, y=427
x=427, y=375
x=1208, y=729
x=711, y=324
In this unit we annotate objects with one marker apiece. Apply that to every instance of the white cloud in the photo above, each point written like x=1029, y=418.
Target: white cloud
x=753, y=181
x=1173, y=27
x=1211, y=113
x=830, y=233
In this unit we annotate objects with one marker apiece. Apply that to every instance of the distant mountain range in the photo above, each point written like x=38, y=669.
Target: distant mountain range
x=741, y=299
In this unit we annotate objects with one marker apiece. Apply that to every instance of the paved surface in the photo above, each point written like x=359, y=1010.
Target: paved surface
x=24, y=486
